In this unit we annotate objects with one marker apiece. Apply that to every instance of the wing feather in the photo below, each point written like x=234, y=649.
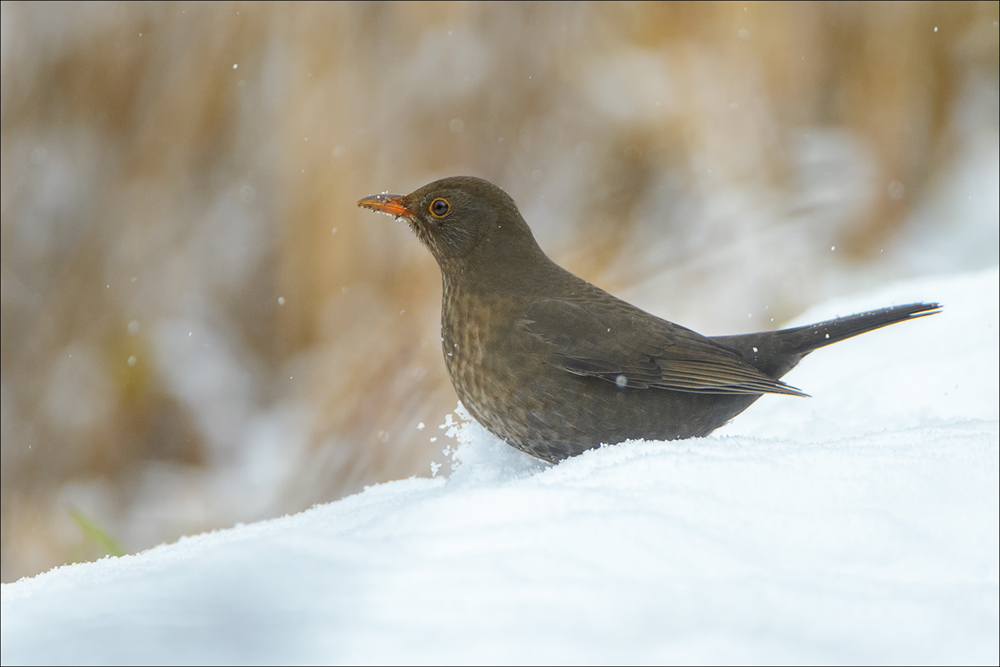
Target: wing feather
x=615, y=340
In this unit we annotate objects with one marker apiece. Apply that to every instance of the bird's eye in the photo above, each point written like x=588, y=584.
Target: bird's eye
x=440, y=208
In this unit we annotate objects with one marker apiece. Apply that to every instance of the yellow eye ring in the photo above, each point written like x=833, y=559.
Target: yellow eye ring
x=440, y=207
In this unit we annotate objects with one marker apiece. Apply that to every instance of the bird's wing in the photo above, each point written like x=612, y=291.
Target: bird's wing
x=621, y=344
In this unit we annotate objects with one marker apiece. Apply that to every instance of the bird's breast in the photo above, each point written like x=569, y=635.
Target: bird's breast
x=487, y=356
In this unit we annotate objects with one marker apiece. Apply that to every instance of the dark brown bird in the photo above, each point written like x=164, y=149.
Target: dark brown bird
x=556, y=366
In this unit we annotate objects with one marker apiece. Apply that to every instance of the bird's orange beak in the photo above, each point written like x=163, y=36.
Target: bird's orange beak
x=388, y=204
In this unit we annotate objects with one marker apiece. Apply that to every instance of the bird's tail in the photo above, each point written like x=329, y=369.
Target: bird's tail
x=804, y=340
x=777, y=352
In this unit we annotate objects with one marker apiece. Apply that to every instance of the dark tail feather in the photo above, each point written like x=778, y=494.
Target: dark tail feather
x=777, y=352
x=804, y=340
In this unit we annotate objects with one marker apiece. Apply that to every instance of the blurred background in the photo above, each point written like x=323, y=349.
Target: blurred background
x=200, y=328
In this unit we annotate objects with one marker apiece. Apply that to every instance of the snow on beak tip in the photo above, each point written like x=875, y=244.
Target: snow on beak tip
x=388, y=204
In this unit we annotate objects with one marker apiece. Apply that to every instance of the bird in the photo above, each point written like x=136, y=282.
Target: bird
x=556, y=366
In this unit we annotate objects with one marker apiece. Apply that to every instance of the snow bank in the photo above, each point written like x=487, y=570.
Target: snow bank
x=859, y=526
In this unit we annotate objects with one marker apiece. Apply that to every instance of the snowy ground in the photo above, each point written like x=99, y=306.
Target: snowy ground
x=858, y=526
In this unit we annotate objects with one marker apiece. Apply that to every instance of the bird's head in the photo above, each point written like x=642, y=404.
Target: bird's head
x=465, y=222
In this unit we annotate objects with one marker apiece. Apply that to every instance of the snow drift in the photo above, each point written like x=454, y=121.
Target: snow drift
x=859, y=526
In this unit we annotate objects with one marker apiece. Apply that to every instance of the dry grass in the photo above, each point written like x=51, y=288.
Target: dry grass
x=169, y=171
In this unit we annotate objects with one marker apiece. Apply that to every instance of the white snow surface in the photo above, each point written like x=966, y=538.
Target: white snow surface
x=858, y=526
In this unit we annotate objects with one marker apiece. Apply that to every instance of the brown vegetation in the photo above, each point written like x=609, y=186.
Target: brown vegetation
x=198, y=325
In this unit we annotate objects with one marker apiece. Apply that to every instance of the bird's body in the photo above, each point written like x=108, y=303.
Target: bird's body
x=554, y=365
